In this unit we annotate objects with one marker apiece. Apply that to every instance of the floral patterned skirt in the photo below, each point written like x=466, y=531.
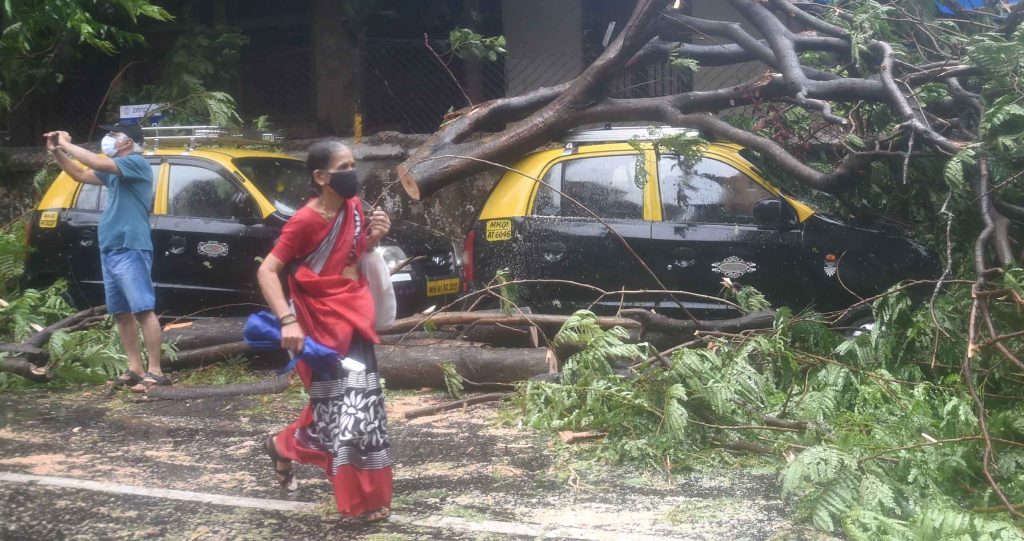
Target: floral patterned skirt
x=344, y=430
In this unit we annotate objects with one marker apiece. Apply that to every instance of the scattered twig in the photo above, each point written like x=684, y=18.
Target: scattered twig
x=448, y=406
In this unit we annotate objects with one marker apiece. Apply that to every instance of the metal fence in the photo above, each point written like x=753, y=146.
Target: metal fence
x=406, y=88
x=279, y=83
x=403, y=86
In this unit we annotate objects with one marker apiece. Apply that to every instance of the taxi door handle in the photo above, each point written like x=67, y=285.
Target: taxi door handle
x=552, y=251
x=86, y=238
x=176, y=245
x=683, y=258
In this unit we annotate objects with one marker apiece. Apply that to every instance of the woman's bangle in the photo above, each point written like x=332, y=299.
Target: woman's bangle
x=288, y=318
x=289, y=322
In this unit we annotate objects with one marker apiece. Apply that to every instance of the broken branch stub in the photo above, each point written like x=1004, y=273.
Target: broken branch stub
x=21, y=367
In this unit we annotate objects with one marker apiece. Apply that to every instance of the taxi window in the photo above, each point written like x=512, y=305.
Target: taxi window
x=549, y=201
x=283, y=181
x=709, y=192
x=606, y=185
x=199, y=192
x=89, y=197
x=93, y=197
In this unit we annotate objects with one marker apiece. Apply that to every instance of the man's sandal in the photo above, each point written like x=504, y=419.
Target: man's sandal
x=128, y=379
x=285, y=476
x=151, y=380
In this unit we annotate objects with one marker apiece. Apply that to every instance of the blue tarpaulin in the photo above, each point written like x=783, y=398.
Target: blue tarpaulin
x=263, y=332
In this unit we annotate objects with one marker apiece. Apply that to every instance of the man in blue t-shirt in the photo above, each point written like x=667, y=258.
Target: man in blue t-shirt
x=126, y=249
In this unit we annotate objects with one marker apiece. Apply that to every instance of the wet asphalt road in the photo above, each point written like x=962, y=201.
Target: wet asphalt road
x=78, y=465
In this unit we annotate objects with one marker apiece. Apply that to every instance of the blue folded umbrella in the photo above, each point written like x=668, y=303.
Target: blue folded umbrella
x=263, y=332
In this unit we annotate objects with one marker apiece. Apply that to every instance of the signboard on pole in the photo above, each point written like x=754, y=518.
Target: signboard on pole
x=135, y=113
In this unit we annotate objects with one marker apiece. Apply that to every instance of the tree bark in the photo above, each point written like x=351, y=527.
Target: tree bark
x=420, y=366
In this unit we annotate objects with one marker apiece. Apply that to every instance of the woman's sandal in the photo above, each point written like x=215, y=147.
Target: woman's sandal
x=376, y=515
x=285, y=476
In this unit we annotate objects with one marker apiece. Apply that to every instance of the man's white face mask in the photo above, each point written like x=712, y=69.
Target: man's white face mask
x=109, y=144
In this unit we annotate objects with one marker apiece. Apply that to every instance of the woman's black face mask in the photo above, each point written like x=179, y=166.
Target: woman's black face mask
x=345, y=183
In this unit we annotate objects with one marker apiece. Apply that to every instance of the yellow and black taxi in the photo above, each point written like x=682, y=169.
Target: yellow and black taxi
x=694, y=224
x=216, y=213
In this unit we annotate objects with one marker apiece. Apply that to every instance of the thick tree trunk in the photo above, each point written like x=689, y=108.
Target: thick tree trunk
x=420, y=366
x=415, y=366
x=25, y=369
x=204, y=333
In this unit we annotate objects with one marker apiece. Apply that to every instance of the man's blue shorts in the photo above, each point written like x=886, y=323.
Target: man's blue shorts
x=127, y=281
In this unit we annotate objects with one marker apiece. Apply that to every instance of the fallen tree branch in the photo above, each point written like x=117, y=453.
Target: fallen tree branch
x=269, y=386
x=464, y=318
x=651, y=321
x=568, y=436
x=448, y=406
x=40, y=338
x=746, y=447
x=32, y=354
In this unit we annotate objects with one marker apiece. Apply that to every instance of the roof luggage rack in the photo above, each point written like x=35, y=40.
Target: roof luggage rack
x=619, y=134
x=191, y=136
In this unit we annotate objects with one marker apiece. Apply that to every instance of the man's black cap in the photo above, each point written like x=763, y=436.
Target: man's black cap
x=133, y=131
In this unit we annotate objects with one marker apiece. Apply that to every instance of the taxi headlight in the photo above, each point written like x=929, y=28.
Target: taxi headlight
x=393, y=256
x=459, y=256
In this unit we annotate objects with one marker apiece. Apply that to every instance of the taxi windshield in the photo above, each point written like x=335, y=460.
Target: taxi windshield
x=283, y=181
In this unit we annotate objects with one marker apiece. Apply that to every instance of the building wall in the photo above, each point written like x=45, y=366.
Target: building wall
x=545, y=43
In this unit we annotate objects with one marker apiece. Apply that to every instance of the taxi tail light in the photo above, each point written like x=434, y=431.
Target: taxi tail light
x=467, y=269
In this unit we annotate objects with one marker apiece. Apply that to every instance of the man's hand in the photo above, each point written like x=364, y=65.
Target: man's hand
x=58, y=140
x=380, y=224
x=55, y=139
x=51, y=141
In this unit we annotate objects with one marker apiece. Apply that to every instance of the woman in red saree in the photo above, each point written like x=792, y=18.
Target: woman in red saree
x=343, y=429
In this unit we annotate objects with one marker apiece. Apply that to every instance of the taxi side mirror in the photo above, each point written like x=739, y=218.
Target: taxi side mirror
x=242, y=209
x=774, y=213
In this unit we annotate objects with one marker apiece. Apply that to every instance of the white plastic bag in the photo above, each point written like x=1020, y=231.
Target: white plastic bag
x=378, y=277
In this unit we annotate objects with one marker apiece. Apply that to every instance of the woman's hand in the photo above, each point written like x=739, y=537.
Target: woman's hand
x=380, y=224
x=292, y=337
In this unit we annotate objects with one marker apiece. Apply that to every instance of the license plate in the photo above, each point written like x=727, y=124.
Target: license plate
x=442, y=287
